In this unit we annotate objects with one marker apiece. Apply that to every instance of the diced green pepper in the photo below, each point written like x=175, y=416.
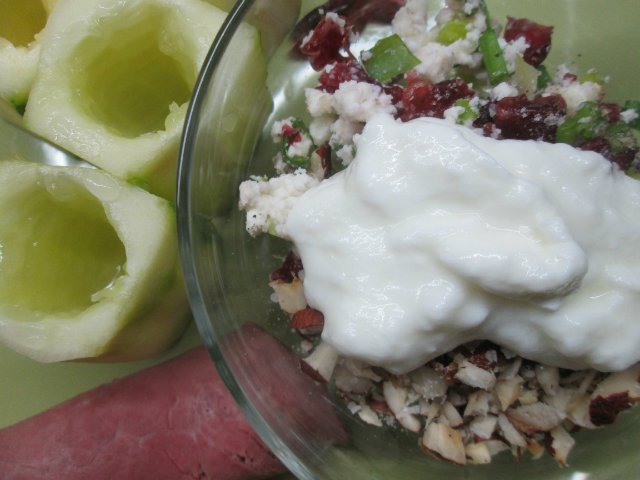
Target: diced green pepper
x=544, y=78
x=588, y=122
x=452, y=31
x=388, y=58
x=593, y=76
x=620, y=137
x=469, y=114
x=492, y=56
x=635, y=106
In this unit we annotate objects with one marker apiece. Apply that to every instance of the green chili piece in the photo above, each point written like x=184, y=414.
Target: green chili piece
x=593, y=76
x=544, y=78
x=389, y=58
x=620, y=137
x=469, y=113
x=587, y=123
x=452, y=31
x=492, y=56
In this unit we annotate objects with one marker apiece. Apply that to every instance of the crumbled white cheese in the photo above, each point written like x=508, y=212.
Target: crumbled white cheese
x=452, y=114
x=278, y=125
x=346, y=154
x=628, y=116
x=359, y=101
x=502, y=90
x=300, y=148
x=575, y=93
x=513, y=50
x=411, y=21
x=320, y=128
x=318, y=102
x=343, y=131
x=337, y=19
x=268, y=202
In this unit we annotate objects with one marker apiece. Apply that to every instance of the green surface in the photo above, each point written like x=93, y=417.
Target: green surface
x=29, y=387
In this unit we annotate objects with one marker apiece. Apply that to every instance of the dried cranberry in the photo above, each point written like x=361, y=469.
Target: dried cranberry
x=570, y=77
x=359, y=12
x=324, y=152
x=599, y=145
x=611, y=111
x=356, y=12
x=484, y=115
x=342, y=71
x=325, y=43
x=623, y=158
x=537, y=36
x=289, y=270
x=290, y=134
x=524, y=119
x=422, y=98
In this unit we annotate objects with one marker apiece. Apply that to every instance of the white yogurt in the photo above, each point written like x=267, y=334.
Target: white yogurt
x=435, y=236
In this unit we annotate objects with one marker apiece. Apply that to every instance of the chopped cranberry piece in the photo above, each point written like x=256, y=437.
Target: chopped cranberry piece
x=611, y=111
x=422, y=98
x=359, y=12
x=599, y=145
x=523, y=119
x=356, y=12
x=623, y=158
x=325, y=43
x=324, y=152
x=290, y=134
x=342, y=71
x=489, y=129
x=537, y=36
x=289, y=270
x=570, y=77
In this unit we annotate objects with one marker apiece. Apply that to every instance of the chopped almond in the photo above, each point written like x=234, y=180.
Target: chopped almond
x=308, y=321
x=536, y=417
x=289, y=295
x=321, y=363
x=444, y=442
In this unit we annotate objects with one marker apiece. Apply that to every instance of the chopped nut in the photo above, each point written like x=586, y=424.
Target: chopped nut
x=478, y=453
x=559, y=444
x=483, y=427
x=511, y=435
x=605, y=410
x=347, y=382
x=474, y=376
x=507, y=391
x=369, y=416
x=478, y=404
x=548, y=378
x=396, y=397
x=444, y=442
x=308, y=321
x=321, y=363
x=290, y=296
x=537, y=417
x=454, y=419
x=428, y=383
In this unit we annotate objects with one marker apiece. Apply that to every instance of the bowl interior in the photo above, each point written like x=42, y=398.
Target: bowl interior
x=227, y=139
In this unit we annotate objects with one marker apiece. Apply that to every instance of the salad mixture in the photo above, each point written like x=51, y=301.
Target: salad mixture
x=477, y=360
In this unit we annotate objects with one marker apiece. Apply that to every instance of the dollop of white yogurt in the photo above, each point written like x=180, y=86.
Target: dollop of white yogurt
x=435, y=236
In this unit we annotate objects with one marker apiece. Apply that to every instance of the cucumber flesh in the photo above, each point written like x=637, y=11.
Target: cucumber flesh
x=88, y=266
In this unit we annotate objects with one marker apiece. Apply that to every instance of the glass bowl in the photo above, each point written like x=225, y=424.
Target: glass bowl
x=227, y=139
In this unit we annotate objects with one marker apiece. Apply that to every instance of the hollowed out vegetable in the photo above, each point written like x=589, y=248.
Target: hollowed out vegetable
x=88, y=266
